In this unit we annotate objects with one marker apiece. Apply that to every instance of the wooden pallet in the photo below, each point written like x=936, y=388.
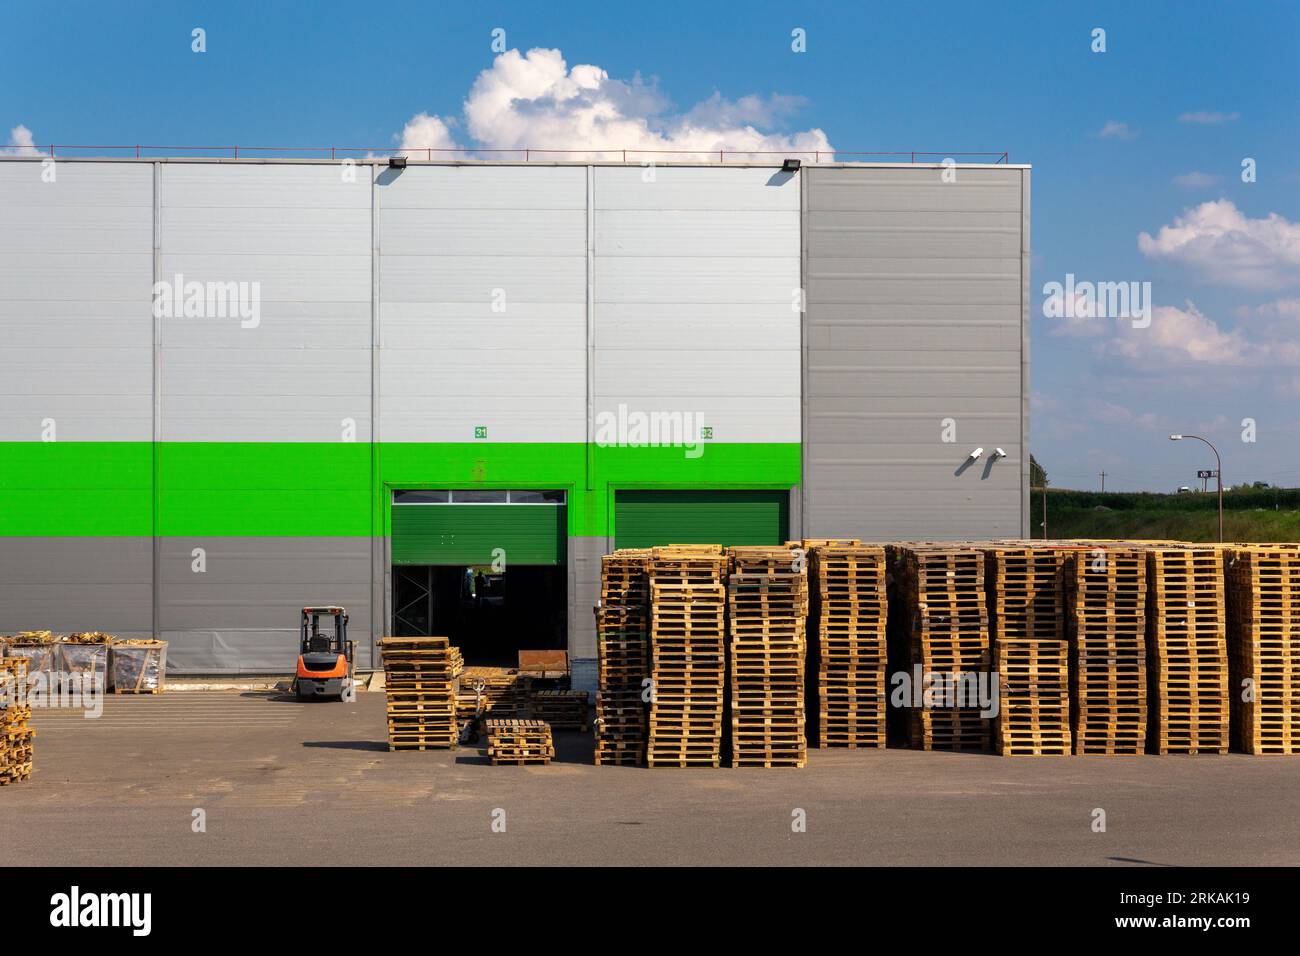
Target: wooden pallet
x=1106, y=607
x=942, y=628
x=1263, y=592
x=562, y=709
x=847, y=644
x=687, y=655
x=767, y=596
x=1187, y=657
x=421, y=687
x=519, y=741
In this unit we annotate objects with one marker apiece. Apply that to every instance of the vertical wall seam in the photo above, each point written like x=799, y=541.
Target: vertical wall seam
x=155, y=490
x=378, y=571
x=1025, y=471
x=591, y=320
x=804, y=185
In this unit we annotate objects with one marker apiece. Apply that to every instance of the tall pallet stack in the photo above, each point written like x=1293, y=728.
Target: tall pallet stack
x=623, y=657
x=1106, y=604
x=1187, y=650
x=767, y=595
x=1030, y=651
x=848, y=643
x=944, y=630
x=421, y=675
x=1264, y=648
x=688, y=662
x=16, y=737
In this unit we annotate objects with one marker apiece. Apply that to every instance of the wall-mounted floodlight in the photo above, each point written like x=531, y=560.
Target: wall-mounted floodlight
x=975, y=455
x=791, y=166
x=396, y=162
x=998, y=453
x=1175, y=437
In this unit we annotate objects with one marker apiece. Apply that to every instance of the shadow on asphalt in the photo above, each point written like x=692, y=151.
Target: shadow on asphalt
x=347, y=744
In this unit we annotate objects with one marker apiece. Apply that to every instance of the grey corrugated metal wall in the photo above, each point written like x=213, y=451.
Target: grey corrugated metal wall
x=917, y=314
x=668, y=288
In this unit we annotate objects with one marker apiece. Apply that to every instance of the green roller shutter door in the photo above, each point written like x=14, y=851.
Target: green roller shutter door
x=643, y=519
x=468, y=534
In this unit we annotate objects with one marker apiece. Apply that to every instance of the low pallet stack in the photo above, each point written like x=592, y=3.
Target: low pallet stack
x=945, y=632
x=1264, y=648
x=1105, y=598
x=848, y=643
x=519, y=741
x=767, y=597
x=623, y=657
x=688, y=665
x=1030, y=651
x=498, y=691
x=1187, y=650
x=421, y=676
x=16, y=737
x=562, y=709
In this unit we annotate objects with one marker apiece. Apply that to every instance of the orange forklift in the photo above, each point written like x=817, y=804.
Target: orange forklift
x=324, y=659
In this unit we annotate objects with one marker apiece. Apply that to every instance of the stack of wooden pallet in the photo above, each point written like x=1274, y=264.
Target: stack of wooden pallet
x=562, y=709
x=519, y=741
x=499, y=691
x=1187, y=650
x=848, y=621
x=944, y=638
x=1264, y=648
x=767, y=596
x=421, y=675
x=1105, y=599
x=1030, y=650
x=688, y=665
x=15, y=736
x=623, y=656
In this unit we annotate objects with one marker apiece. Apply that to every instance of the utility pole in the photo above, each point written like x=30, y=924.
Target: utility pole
x=1103, y=482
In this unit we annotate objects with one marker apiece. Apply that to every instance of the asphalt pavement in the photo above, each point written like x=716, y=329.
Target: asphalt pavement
x=192, y=778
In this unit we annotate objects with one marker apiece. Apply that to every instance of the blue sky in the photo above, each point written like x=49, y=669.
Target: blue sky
x=1197, y=87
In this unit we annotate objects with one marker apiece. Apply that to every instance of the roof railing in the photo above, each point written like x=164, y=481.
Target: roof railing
x=526, y=154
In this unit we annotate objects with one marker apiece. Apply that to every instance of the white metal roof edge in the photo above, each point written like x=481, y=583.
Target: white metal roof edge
x=383, y=161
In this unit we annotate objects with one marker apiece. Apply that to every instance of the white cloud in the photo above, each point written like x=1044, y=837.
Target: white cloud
x=1181, y=337
x=535, y=100
x=1114, y=129
x=1197, y=180
x=1221, y=243
x=1208, y=117
x=20, y=143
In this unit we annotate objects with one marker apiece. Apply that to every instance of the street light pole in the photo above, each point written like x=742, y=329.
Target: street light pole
x=1218, y=473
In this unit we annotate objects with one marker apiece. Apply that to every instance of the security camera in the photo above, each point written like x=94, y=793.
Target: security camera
x=975, y=455
x=998, y=453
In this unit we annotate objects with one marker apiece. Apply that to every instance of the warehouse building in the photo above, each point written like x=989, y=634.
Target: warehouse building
x=437, y=394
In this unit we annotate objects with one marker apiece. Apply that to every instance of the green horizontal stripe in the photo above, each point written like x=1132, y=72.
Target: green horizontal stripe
x=274, y=489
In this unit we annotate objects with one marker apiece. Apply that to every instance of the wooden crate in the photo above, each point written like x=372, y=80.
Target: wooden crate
x=1263, y=592
x=138, y=666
